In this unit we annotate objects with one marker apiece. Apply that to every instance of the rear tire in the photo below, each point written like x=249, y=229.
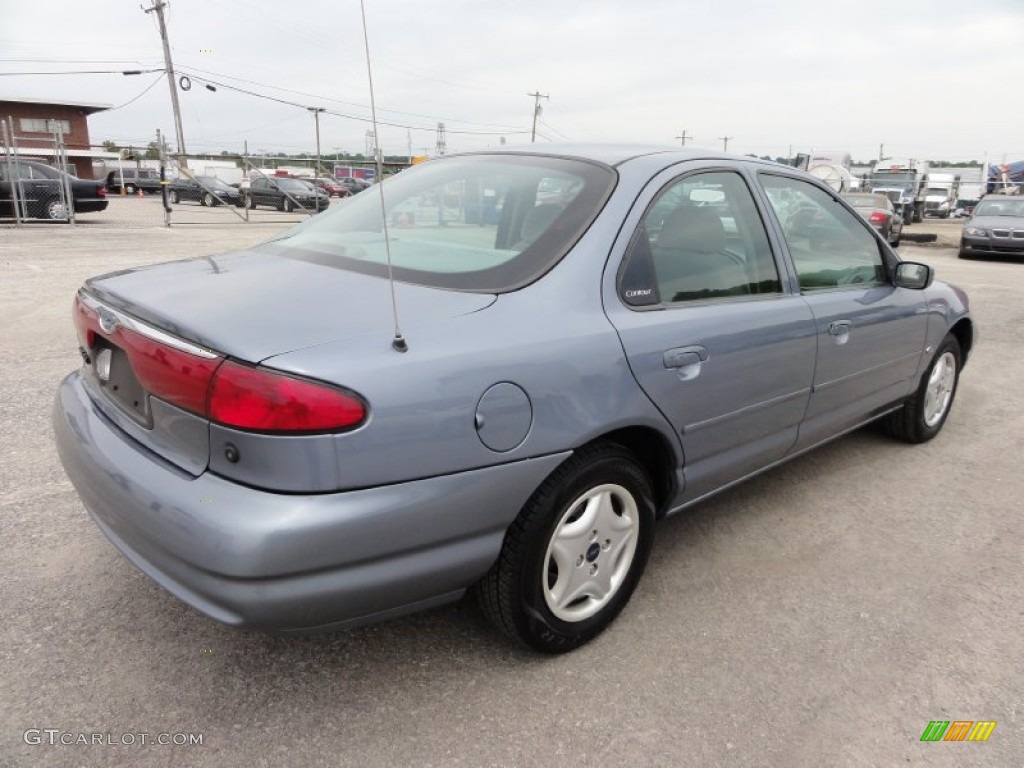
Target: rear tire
x=286, y=205
x=922, y=416
x=575, y=553
x=173, y=197
x=129, y=189
x=250, y=203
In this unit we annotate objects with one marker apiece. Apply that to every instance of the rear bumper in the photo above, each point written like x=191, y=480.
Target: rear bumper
x=91, y=205
x=289, y=562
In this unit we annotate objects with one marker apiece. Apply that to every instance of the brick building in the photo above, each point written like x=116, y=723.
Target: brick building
x=33, y=131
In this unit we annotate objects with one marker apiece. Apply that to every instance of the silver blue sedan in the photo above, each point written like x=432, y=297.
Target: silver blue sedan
x=498, y=377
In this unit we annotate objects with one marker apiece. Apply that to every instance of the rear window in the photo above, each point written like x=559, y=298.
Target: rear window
x=487, y=223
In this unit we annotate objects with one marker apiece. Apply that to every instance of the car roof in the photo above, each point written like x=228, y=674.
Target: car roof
x=612, y=154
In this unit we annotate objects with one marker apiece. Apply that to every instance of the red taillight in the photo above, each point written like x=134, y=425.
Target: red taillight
x=85, y=321
x=101, y=192
x=171, y=374
x=226, y=392
x=177, y=377
x=253, y=398
x=879, y=217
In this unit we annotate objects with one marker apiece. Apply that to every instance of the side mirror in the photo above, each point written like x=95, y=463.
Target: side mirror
x=911, y=274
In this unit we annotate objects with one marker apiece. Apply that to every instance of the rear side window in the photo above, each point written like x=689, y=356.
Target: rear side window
x=488, y=223
x=831, y=247
x=702, y=238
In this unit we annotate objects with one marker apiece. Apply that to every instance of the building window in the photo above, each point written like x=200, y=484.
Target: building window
x=38, y=125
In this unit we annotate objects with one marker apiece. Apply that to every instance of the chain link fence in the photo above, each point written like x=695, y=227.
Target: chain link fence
x=33, y=190
x=122, y=188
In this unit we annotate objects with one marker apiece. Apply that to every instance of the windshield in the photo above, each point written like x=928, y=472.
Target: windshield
x=486, y=223
x=292, y=185
x=1000, y=208
x=212, y=182
x=901, y=179
x=866, y=201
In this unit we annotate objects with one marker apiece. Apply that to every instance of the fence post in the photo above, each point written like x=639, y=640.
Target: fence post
x=9, y=161
x=163, y=178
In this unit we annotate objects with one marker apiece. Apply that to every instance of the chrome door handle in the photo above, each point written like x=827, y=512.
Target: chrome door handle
x=839, y=327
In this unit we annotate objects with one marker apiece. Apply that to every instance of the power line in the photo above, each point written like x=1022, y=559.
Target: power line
x=335, y=113
x=144, y=92
x=83, y=72
x=320, y=97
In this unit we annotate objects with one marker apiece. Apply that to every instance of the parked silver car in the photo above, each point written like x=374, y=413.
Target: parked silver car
x=995, y=228
x=270, y=437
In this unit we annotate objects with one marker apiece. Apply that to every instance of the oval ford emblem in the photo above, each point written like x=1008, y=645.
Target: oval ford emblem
x=108, y=321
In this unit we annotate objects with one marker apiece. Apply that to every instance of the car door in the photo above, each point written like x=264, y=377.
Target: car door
x=716, y=338
x=870, y=334
x=256, y=187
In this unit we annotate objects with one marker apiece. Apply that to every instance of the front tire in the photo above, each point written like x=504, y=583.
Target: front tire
x=209, y=200
x=575, y=553
x=55, y=210
x=173, y=197
x=922, y=416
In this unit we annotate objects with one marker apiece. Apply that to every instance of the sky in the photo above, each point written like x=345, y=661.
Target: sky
x=929, y=79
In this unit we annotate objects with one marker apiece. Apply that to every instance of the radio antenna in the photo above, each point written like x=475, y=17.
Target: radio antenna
x=397, y=343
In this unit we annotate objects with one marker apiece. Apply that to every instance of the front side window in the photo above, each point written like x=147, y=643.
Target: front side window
x=831, y=247
x=488, y=223
x=702, y=238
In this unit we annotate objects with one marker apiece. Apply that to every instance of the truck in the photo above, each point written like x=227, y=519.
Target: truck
x=903, y=181
x=967, y=198
x=832, y=167
x=1006, y=178
x=941, y=194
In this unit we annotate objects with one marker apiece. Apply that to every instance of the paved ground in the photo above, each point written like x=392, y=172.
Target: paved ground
x=820, y=615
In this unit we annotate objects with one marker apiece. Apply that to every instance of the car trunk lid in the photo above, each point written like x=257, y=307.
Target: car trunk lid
x=155, y=337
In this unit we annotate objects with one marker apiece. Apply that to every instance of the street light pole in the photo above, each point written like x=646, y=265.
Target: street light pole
x=316, y=117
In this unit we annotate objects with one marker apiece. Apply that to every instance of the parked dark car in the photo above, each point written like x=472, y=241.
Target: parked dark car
x=285, y=194
x=132, y=180
x=353, y=184
x=880, y=213
x=331, y=187
x=205, y=190
x=255, y=434
x=40, y=189
x=995, y=228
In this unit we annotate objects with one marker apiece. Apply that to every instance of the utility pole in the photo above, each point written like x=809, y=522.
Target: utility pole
x=537, y=96
x=683, y=137
x=316, y=117
x=725, y=142
x=442, y=141
x=158, y=6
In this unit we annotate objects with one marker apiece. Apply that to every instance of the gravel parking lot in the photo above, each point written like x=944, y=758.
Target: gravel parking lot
x=819, y=615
